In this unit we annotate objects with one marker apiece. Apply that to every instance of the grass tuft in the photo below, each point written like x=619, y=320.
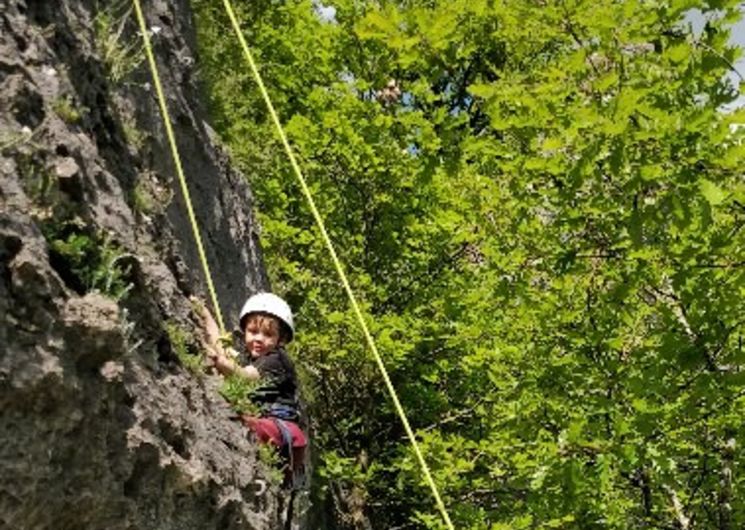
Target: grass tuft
x=66, y=111
x=120, y=56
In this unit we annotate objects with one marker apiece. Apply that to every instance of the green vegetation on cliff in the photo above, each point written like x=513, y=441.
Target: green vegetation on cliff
x=541, y=205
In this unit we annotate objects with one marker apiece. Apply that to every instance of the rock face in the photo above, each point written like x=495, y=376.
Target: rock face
x=101, y=423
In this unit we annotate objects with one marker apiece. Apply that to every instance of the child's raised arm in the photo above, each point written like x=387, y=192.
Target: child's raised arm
x=220, y=355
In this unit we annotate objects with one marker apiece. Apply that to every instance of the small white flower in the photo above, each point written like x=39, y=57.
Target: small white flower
x=154, y=30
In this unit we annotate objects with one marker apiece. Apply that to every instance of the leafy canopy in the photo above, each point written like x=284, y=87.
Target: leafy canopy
x=545, y=224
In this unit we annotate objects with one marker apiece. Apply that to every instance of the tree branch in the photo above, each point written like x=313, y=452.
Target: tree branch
x=722, y=58
x=453, y=416
x=684, y=521
x=725, y=485
x=668, y=296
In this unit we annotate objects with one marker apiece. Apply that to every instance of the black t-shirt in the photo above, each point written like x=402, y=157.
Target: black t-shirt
x=278, y=383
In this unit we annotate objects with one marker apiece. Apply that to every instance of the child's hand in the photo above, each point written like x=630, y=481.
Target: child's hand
x=210, y=326
x=212, y=356
x=213, y=348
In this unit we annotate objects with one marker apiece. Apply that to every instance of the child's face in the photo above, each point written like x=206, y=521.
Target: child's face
x=261, y=335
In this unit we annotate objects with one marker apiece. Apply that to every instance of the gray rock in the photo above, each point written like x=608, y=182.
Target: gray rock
x=66, y=168
x=100, y=424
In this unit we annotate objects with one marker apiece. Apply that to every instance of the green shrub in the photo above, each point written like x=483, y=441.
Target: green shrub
x=269, y=455
x=88, y=261
x=38, y=181
x=10, y=139
x=142, y=199
x=148, y=197
x=180, y=343
x=132, y=133
x=236, y=389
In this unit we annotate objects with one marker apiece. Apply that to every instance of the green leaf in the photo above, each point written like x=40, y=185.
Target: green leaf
x=711, y=192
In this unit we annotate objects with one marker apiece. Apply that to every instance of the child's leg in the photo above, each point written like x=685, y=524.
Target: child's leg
x=291, y=443
x=265, y=428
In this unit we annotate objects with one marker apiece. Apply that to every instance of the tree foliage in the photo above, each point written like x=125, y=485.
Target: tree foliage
x=545, y=226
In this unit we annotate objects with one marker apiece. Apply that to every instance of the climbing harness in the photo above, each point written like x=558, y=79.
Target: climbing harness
x=296, y=474
x=283, y=412
x=316, y=215
x=287, y=437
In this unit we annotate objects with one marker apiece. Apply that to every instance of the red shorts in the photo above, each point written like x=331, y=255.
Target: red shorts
x=267, y=430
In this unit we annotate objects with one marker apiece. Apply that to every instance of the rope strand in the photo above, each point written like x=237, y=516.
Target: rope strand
x=316, y=215
x=337, y=264
x=177, y=162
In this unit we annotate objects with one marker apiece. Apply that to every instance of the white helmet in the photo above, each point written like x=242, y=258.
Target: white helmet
x=271, y=304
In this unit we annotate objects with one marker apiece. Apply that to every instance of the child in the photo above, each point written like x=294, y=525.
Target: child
x=266, y=325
